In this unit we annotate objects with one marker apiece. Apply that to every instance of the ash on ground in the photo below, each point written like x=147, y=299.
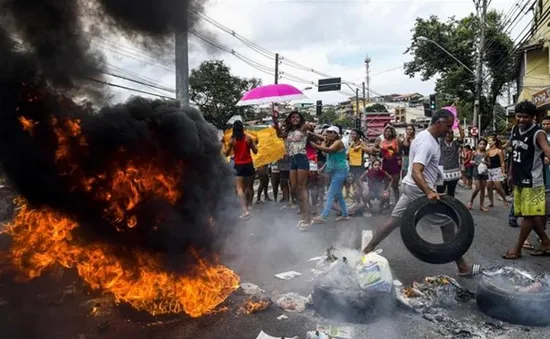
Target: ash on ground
x=517, y=280
x=435, y=296
x=438, y=291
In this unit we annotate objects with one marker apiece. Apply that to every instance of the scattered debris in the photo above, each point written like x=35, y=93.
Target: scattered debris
x=282, y=317
x=439, y=291
x=321, y=257
x=288, y=275
x=293, y=302
x=255, y=304
x=466, y=328
x=337, y=331
x=263, y=335
x=249, y=289
x=434, y=296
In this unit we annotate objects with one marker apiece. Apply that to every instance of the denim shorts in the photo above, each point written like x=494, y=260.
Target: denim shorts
x=299, y=162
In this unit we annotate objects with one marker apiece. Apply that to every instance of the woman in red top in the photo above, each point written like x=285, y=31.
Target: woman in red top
x=389, y=148
x=242, y=144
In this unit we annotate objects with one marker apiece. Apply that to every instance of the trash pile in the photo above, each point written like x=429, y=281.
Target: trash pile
x=326, y=331
x=517, y=280
x=438, y=291
x=435, y=296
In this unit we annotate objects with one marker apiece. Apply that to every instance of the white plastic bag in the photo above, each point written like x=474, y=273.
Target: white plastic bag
x=374, y=273
x=482, y=169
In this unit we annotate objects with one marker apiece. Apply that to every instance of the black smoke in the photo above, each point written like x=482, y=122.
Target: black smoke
x=46, y=62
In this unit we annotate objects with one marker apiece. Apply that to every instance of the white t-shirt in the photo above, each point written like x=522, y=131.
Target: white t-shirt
x=424, y=150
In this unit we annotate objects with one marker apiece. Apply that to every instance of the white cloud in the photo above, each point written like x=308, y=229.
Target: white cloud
x=331, y=37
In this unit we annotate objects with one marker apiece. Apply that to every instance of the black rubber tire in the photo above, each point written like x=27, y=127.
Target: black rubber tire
x=522, y=308
x=353, y=306
x=438, y=253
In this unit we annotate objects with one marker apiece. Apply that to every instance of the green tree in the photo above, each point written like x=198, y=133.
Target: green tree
x=376, y=108
x=328, y=116
x=459, y=37
x=345, y=122
x=216, y=91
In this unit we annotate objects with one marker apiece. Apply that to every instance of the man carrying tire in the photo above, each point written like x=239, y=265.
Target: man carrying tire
x=421, y=180
x=529, y=147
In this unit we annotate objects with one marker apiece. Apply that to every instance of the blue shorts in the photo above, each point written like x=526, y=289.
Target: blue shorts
x=299, y=162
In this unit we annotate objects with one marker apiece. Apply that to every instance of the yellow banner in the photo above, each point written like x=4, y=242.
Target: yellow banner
x=270, y=147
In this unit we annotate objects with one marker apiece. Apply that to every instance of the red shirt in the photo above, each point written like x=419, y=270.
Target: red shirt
x=241, y=149
x=376, y=178
x=311, y=153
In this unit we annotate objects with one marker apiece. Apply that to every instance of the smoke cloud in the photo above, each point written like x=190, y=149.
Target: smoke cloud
x=45, y=61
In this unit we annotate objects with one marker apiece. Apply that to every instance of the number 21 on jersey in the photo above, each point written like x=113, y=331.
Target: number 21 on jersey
x=516, y=156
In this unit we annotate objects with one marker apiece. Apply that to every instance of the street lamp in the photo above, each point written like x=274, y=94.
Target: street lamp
x=423, y=38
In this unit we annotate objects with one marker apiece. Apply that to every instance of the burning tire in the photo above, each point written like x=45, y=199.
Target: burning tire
x=352, y=305
x=437, y=253
x=523, y=308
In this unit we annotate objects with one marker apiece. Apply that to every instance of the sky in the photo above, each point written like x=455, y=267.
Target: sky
x=315, y=39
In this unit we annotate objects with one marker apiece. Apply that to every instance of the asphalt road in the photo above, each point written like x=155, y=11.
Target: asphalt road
x=261, y=247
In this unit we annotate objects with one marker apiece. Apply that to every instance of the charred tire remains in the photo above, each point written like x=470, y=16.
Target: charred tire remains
x=523, y=308
x=353, y=306
x=437, y=253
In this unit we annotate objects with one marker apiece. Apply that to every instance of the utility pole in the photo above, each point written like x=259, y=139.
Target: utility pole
x=357, y=101
x=508, y=85
x=477, y=115
x=367, y=75
x=276, y=68
x=182, y=67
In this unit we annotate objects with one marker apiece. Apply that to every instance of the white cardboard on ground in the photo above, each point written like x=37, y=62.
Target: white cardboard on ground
x=288, y=275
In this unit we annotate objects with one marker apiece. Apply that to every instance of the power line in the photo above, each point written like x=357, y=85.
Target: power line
x=127, y=88
x=267, y=53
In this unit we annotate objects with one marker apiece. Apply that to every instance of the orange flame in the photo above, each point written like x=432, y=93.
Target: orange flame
x=43, y=238
x=255, y=304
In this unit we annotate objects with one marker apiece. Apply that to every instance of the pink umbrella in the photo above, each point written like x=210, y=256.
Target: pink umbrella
x=271, y=94
x=453, y=110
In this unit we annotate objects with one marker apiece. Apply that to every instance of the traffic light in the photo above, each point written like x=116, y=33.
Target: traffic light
x=319, y=108
x=427, y=111
x=357, y=123
x=432, y=102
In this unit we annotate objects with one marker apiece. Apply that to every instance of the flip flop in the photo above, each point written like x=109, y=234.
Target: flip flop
x=541, y=253
x=318, y=220
x=476, y=270
x=304, y=225
x=509, y=256
x=528, y=246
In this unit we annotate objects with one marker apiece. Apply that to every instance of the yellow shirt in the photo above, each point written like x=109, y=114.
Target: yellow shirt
x=355, y=156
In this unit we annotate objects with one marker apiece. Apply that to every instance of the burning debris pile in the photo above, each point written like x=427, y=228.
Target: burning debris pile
x=134, y=196
x=440, y=291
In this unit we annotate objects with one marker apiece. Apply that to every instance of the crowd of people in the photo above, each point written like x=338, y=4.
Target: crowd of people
x=320, y=168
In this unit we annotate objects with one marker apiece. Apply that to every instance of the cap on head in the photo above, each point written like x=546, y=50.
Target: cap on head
x=334, y=129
